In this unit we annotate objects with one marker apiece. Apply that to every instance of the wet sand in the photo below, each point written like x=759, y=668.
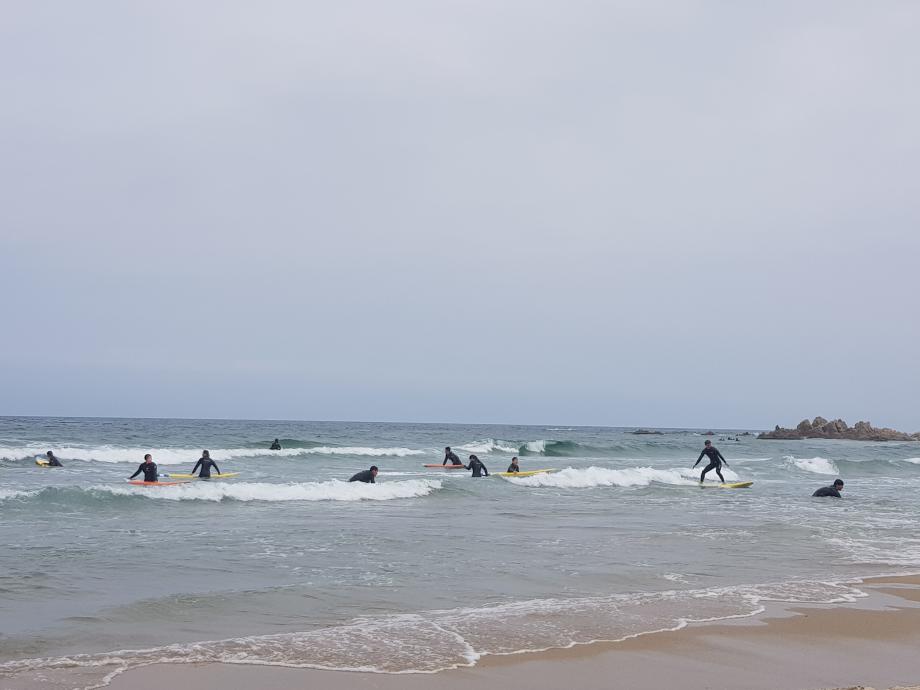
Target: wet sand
x=873, y=642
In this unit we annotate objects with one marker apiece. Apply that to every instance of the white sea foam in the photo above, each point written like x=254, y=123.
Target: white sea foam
x=816, y=465
x=489, y=445
x=431, y=641
x=913, y=461
x=571, y=478
x=179, y=456
x=15, y=493
x=333, y=490
x=535, y=446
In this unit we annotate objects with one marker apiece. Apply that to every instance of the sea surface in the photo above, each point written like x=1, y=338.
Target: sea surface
x=289, y=564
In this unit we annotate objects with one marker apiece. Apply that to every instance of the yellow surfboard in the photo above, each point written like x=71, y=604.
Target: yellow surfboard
x=526, y=473
x=727, y=485
x=225, y=475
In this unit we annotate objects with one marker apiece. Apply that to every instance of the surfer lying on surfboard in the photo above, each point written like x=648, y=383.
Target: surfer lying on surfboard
x=452, y=456
x=715, y=461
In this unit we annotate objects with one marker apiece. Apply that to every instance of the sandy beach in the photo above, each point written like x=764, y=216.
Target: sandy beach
x=869, y=644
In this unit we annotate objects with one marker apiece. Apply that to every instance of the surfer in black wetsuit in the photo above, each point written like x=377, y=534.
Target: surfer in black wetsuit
x=366, y=476
x=276, y=445
x=52, y=460
x=206, y=464
x=715, y=461
x=452, y=456
x=477, y=467
x=148, y=467
x=514, y=467
x=832, y=490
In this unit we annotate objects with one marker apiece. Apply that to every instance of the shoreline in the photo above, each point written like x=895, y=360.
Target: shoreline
x=787, y=647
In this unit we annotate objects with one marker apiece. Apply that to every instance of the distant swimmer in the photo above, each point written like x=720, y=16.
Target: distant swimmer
x=206, y=464
x=452, y=456
x=52, y=460
x=276, y=445
x=477, y=467
x=514, y=467
x=148, y=467
x=715, y=461
x=366, y=476
x=832, y=490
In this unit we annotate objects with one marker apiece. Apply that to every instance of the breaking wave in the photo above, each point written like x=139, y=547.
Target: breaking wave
x=571, y=478
x=178, y=456
x=816, y=465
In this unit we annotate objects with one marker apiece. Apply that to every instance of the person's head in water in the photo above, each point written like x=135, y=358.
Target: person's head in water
x=49, y=454
x=473, y=457
x=514, y=460
x=148, y=458
x=446, y=449
x=838, y=484
x=206, y=454
x=708, y=443
x=374, y=470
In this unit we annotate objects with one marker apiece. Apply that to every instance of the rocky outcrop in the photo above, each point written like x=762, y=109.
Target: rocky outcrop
x=819, y=427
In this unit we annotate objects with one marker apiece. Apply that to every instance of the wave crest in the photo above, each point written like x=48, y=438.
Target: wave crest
x=571, y=478
x=815, y=465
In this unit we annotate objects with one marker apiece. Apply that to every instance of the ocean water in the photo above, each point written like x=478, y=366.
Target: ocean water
x=427, y=570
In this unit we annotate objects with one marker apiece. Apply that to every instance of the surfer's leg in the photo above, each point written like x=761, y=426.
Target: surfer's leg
x=719, y=472
x=708, y=467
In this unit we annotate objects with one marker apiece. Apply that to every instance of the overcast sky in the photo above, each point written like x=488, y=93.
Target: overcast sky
x=623, y=213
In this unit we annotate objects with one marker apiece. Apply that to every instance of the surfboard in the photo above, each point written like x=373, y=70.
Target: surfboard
x=42, y=463
x=727, y=485
x=225, y=475
x=524, y=473
x=138, y=482
x=445, y=467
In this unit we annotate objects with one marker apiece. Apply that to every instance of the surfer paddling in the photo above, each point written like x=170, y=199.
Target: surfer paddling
x=366, y=476
x=52, y=460
x=832, y=490
x=715, y=461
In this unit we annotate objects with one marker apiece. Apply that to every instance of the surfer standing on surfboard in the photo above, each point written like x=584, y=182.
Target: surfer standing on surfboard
x=715, y=461
x=148, y=467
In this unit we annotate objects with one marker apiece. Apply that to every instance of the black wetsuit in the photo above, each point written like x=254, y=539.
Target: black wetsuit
x=365, y=476
x=828, y=491
x=514, y=468
x=715, y=462
x=275, y=446
x=477, y=467
x=54, y=462
x=452, y=456
x=206, y=464
x=149, y=469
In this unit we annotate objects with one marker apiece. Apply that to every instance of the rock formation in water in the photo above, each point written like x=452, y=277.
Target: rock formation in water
x=838, y=429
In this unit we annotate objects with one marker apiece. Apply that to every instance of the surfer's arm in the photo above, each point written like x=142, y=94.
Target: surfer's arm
x=722, y=458
x=486, y=470
x=139, y=470
x=215, y=466
x=197, y=464
x=698, y=460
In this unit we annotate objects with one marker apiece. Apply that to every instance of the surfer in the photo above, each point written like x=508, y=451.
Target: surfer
x=452, y=456
x=715, y=461
x=148, y=467
x=832, y=490
x=477, y=467
x=366, y=476
x=276, y=445
x=52, y=460
x=206, y=464
x=514, y=467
